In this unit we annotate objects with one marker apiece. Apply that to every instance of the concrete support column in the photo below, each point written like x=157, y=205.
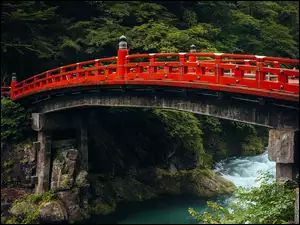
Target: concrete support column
x=283, y=147
x=82, y=146
x=43, y=161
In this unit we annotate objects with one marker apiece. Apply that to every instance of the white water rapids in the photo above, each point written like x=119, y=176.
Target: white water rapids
x=243, y=171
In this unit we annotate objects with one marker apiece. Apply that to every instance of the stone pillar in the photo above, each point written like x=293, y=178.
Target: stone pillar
x=283, y=144
x=82, y=146
x=43, y=161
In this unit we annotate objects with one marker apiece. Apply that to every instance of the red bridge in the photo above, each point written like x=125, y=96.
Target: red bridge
x=262, y=76
x=258, y=90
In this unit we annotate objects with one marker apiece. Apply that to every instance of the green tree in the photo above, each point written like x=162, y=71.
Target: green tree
x=272, y=202
x=14, y=121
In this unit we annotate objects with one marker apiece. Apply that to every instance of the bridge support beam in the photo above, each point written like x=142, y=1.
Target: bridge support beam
x=43, y=161
x=283, y=149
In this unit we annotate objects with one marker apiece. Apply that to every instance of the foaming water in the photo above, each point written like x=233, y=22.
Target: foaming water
x=243, y=171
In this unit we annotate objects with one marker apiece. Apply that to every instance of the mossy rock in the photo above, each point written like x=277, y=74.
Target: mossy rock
x=205, y=183
x=129, y=189
x=21, y=209
x=101, y=208
x=25, y=212
x=53, y=211
x=167, y=182
x=122, y=189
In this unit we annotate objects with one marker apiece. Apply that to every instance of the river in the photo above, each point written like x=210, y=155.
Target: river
x=241, y=171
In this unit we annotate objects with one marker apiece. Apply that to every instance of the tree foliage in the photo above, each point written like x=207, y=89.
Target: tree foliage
x=14, y=121
x=37, y=36
x=271, y=203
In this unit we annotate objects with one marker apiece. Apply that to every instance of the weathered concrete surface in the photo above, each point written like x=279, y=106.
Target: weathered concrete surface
x=282, y=145
x=297, y=207
x=43, y=161
x=38, y=121
x=82, y=145
x=231, y=109
x=282, y=148
x=284, y=171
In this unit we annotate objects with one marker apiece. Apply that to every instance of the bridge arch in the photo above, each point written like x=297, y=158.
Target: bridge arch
x=220, y=105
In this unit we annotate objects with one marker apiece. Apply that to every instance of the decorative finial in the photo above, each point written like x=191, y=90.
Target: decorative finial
x=122, y=43
x=193, y=48
x=14, y=76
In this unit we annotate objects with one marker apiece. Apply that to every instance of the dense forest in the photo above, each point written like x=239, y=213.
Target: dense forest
x=41, y=35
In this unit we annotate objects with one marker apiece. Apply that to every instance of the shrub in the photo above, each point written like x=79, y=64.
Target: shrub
x=272, y=202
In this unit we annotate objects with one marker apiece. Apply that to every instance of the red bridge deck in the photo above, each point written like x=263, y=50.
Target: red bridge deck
x=248, y=74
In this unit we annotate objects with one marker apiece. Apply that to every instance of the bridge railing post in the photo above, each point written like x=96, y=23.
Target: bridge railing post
x=192, y=58
x=259, y=75
x=121, y=61
x=152, y=69
x=218, y=70
x=183, y=69
x=13, y=83
x=247, y=63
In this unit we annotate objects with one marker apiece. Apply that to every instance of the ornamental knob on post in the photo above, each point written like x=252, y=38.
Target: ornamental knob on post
x=122, y=53
x=13, y=84
x=192, y=58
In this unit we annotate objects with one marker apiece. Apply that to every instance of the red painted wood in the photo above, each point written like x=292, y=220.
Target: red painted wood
x=248, y=74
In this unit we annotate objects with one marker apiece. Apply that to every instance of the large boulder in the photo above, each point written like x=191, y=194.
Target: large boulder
x=121, y=189
x=205, y=183
x=53, y=211
x=21, y=209
x=71, y=203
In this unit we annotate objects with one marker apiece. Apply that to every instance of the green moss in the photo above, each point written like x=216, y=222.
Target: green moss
x=27, y=208
x=196, y=181
x=34, y=198
x=25, y=212
x=12, y=220
x=8, y=164
x=66, y=182
x=3, y=219
x=102, y=208
x=167, y=182
x=37, y=198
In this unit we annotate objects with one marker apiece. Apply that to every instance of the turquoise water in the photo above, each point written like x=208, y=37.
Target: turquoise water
x=165, y=210
x=174, y=209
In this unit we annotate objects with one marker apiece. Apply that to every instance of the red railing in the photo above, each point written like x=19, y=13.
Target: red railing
x=249, y=74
